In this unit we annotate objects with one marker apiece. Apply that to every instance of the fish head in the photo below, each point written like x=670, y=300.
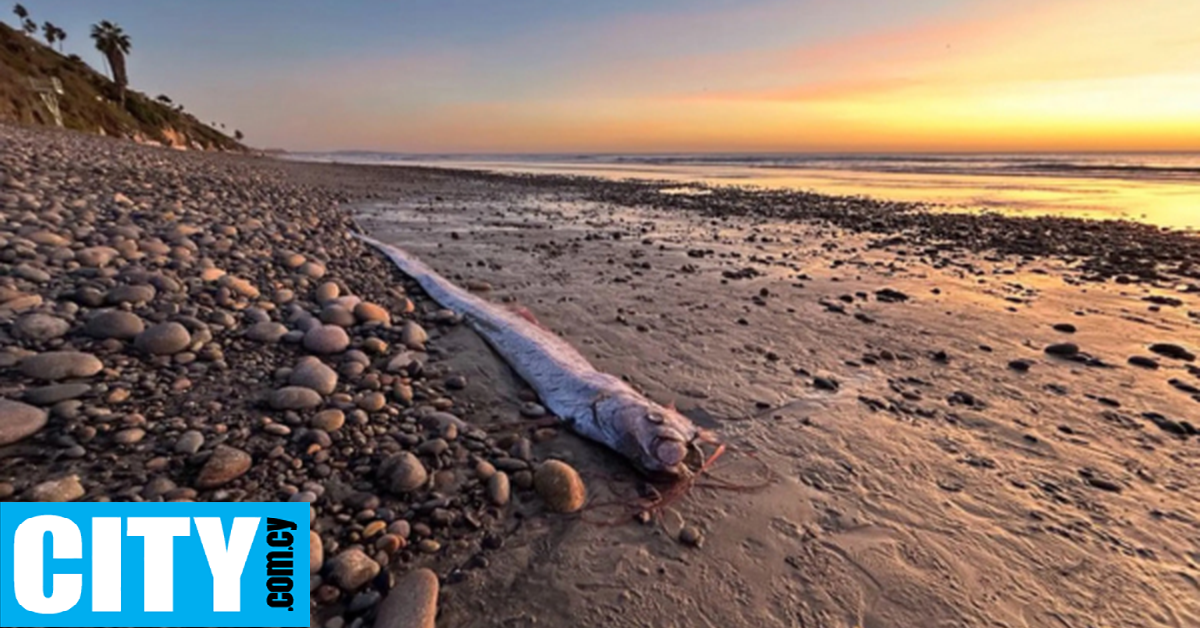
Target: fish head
x=659, y=440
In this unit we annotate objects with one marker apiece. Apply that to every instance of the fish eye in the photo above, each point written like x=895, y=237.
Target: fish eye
x=654, y=417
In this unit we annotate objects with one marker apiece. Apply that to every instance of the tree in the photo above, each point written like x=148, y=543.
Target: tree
x=50, y=32
x=163, y=98
x=29, y=26
x=239, y=136
x=61, y=36
x=113, y=43
x=21, y=12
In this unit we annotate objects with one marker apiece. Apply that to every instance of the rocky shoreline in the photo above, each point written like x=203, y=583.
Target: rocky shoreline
x=186, y=326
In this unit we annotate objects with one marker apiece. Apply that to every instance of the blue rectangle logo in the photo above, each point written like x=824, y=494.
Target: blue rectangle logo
x=143, y=564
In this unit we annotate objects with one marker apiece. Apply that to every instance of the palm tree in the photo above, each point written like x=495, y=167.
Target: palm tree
x=30, y=27
x=50, y=32
x=21, y=12
x=60, y=35
x=114, y=44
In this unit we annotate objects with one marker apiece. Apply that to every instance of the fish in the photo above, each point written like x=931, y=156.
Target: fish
x=658, y=440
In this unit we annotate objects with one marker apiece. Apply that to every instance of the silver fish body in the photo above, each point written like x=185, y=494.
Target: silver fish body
x=595, y=405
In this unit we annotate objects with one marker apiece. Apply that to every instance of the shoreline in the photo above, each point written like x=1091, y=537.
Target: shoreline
x=650, y=286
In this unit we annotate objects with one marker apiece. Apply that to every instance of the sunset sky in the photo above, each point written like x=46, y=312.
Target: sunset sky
x=671, y=75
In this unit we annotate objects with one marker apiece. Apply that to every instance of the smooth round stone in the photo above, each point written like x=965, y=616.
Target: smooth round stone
x=117, y=324
x=351, y=569
x=313, y=270
x=54, y=393
x=31, y=273
x=268, y=332
x=163, y=339
x=372, y=401
x=559, y=486
x=129, y=436
x=326, y=292
x=240, y=286
x=96, y=256
x=189, y=442
x=56, y=365
x=330, y=420
x=413, y=336
x=19, y=420
x=316, y=552
x=211, y=274
x=295, y=398
x=326, y=339
x=412, y=603
x=402, y=473
x=40, y=327
x=135, y=294
x=67, y=489
x=334, y=314
x=223, y=466
x=371, y=313
x=313, y=373
x=498, y=488
x=48, y=238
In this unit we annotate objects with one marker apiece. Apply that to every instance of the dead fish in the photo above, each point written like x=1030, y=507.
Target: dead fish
x=598, y=406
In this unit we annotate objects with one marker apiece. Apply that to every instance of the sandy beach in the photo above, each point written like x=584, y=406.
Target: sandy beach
x=934, y=419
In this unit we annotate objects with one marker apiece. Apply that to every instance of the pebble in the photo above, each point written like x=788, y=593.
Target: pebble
x=312, y=373
x=691, y=536
x=1022, y=365
x=412, y=603
x=327, y=292
x=1143, y=361
x=117, y=324
x=559, y=486
x=316, y=552
x=40, y=327
x=295, y=398
x=402, y=473
x=189, y=442
x=1173, y=351
x=129, y=436
x=371, y=313
x=351, y=569
x=56, y=365
x=326, y=339
x=138, y=294
x=65, y=489
x=223, y=466
x=1063, y=349
x=163, y=339
x=330, y=420
x=413, y=336
x=54, y=393
x=19, y=420
x=498, y=488
x=267, y=332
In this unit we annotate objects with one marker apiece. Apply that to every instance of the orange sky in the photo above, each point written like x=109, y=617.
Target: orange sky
x=760, y=76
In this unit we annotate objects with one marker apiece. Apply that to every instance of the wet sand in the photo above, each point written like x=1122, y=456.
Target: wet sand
x=931, y=464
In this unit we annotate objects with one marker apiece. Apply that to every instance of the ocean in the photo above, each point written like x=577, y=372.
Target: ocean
x=1157, y=188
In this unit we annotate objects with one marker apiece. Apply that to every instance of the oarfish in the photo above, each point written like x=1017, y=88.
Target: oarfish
x=598, y=406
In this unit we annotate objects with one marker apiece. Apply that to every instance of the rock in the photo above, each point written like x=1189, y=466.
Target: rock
x=691, y=536
x=313, y=373
x=240, y=286
x=136, y=294
x=31, y=273
x=56, y=365
x=412, y=603
x=1021, y=365
x=498, y=488
x=351, y=569
x=402, y=473
x=316, y=552
x=413, y=336
x=163, y=339
x=334, y=314
x=1065, y=328
x=129, y=436
x=456, y=382
x=330, y=420
x=1173, y=351
x=117, y=324
x=54, y=393
x=312, y=269
x=1143, y=361
x=826, y=383
x=223, y=466
x=268, y=332
x=325, y=339
x=295, y=398
x=96, y=256
x=532, y=410
x=66, y=489
x=372, y=401
x=327, y=292
x=559, y=486
x=1063, y=350
x=372, y=313
x=189, y=442
x=19, y=420
x=40, y=327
